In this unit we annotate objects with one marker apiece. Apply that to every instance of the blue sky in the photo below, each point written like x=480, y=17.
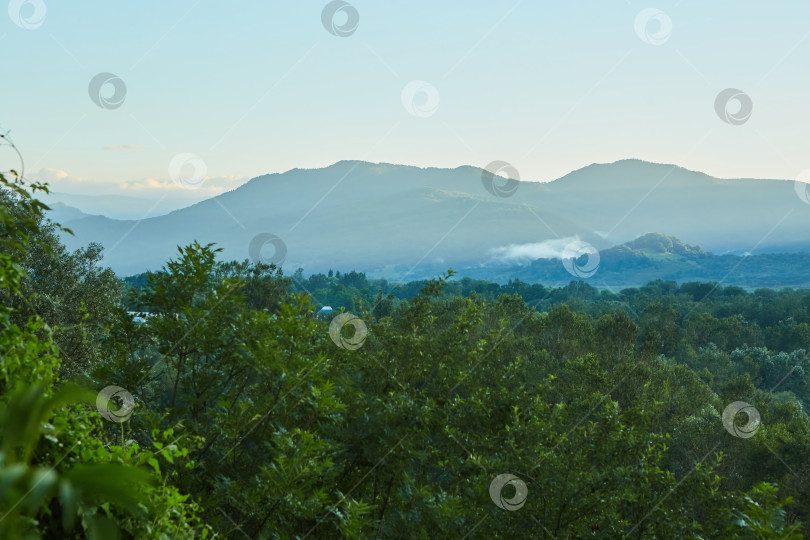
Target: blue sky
x=258, y=87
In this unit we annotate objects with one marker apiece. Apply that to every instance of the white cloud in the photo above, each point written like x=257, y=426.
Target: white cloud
x=524, y=253
x=211, y=186
x=62, y=181
x=52, y=175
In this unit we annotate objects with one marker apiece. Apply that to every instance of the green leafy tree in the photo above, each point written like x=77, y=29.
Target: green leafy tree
x=58, y=477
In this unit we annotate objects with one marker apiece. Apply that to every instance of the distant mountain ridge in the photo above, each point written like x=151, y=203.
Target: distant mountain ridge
x=63, y=213
x=112, y=206
x=404, y=222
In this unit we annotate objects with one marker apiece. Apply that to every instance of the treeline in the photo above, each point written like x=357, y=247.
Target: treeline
x=674, y=320
x=447, y=408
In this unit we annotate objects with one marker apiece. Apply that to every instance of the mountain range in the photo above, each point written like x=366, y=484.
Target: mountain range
x=113, y=206
x=404, y=222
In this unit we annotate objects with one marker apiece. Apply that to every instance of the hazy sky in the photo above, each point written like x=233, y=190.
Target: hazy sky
x=257, y=87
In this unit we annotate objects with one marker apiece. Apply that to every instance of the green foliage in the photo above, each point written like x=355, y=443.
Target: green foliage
x=764, y=515
x=67, y=291
x=403, y=436
x=58, y=478
x=250, y=421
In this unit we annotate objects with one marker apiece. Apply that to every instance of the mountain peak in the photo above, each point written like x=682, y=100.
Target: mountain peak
x=663, y=244
x=629, y=174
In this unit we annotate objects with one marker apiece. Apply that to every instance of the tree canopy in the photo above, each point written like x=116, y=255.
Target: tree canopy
x=445, y=408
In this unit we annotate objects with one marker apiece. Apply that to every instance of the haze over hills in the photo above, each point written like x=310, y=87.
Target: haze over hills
x=657, y=256
x=62, y=213
x=404, y=222
x=115, y=206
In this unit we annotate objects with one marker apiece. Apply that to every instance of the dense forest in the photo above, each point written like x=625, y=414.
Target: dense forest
x=449, y=408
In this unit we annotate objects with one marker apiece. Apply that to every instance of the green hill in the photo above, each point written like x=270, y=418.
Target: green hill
x=659, y=256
